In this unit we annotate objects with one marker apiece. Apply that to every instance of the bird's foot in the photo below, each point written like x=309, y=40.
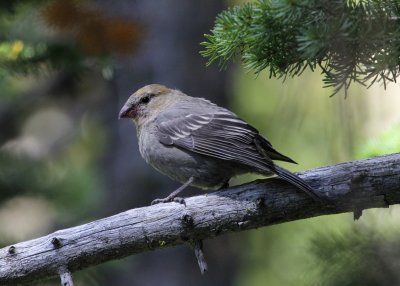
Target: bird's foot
x=173, y=196
x=168, y=200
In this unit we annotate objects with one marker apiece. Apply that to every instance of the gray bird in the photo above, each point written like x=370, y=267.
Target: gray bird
x=198, y=143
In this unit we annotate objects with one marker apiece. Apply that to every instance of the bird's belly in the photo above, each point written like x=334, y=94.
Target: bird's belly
x=180, y=165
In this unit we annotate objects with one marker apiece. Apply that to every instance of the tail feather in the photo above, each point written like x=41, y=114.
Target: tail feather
x=298, y=182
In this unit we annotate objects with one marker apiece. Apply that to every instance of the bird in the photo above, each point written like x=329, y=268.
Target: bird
x=198, y=143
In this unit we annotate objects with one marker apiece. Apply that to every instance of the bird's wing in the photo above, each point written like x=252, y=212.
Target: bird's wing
x=220, y=134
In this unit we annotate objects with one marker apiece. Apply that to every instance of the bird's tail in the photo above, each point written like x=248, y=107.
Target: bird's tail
x=298, y=182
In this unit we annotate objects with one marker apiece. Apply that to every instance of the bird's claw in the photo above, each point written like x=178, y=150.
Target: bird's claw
x=179, y=200
x=168, y=200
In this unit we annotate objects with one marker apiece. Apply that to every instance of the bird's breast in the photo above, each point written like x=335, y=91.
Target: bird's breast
x=169, y=160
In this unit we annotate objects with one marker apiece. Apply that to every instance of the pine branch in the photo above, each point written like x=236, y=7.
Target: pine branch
x=35, y=58
x=352, y=41
x=351, y=186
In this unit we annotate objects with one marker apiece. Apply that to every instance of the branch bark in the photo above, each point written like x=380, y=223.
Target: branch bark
x=351, y=186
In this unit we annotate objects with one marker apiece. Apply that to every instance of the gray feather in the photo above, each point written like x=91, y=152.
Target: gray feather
x=219, y=134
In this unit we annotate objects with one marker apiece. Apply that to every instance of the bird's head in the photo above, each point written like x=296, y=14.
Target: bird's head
x=146, y=101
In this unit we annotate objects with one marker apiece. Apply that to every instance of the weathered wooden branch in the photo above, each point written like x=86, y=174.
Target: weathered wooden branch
x=352, y=187
x=66, y=278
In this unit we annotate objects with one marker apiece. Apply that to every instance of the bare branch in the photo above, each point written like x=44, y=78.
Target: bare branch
x=66, y=277
x=352, y=187
x=198, y=251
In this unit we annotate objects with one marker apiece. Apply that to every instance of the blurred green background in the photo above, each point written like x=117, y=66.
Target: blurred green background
x=67, y=67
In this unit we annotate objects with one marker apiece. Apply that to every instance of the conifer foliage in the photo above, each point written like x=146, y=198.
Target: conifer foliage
x=351, y=41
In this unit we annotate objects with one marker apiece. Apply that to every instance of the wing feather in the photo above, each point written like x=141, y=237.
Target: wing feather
x=220, y=134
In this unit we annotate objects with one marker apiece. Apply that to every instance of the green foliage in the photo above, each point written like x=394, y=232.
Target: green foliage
x=68, y=177
x=359, y=256
x=22, y=58
x=387, y=143
x=29, y=45
x=69, y=187
x=9, y=6
x=28, y=53
x=351, y=41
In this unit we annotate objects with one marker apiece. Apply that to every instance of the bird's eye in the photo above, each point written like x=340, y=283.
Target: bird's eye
x=145, y=99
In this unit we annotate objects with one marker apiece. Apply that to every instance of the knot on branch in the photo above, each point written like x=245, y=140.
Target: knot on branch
x=187, y=221
x=187, y=225
x=260, y=203
x=56, y=242
x=11, y=250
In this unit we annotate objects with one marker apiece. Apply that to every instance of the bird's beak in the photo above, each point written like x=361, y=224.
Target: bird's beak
x=127, y=112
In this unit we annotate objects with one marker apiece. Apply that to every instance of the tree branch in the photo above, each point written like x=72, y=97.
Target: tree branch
x=352, y=187
x=352, y=41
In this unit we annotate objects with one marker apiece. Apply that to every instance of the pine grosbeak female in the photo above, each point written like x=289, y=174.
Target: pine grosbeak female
x=198, y=143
